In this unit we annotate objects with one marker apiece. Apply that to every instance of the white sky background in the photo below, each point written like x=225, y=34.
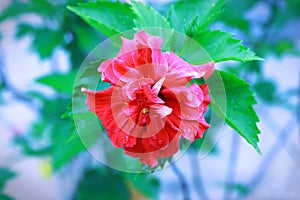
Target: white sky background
x=281, y=181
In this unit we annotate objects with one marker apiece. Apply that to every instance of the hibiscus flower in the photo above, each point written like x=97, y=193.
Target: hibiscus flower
x=149, y=107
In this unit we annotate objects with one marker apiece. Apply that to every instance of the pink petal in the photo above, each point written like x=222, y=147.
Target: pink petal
x=170, y=149
x=205, y=70
x=159, y=65
x=176, y=79
x=181, y=72
x=205, y=89
x=150, y=160
x=157, y=86
x=203, y=126
x=188, y=95
x=123, y=72
x=156, y=142
x=139, y=41
x=101, y=103
x=135, y=85
x=188, y=129
x=160, y=110
x=127, y=46
x=145, y=39
x=108, y=74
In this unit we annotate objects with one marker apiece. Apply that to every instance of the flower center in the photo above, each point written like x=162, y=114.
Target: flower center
x=145, y=110
x=142, y=99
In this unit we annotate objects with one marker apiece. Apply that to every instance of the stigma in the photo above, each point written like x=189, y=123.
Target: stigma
x=145, y=110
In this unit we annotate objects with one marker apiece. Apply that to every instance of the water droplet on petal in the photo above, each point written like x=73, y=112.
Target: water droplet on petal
x=160, y=141
x=154, y=137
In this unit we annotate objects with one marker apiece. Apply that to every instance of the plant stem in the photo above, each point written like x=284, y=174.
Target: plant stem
x=269, y=158
x=232, y=165
x=197, y=177
x=298, y=108
x=5, y=83
x=182, y=181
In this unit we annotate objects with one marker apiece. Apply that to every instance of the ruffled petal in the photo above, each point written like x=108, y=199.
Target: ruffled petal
x=178, y=64
x=181, y=72
x=149, y=107
x=188, y=129
x=140, y=41
x=157, y=86
x=108, y=74
x=135, y=85
x=101, y=103
x=206, y=69
x=160, y=110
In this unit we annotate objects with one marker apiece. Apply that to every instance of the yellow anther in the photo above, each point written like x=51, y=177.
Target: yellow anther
x=145, y=110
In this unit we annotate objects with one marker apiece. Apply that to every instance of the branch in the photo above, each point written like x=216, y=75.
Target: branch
x=14, y=91
x=298, y=110
x=267, y=26
x=197, y=177
x=232, y=165
x=269, y=158
x=182, y=181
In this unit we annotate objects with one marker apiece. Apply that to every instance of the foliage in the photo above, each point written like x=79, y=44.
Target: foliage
x=61, y=29
x=58, y=28
x=148, y=16
x=238, y=113
x=145, y=184
x=101, y=184
x=5, y=175
x=62, y=83
x=107, y=17
x=185, y=16
x=220, y=45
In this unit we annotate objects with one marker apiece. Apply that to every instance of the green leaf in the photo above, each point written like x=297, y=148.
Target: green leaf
x=32, y=147
x=54, y=108
x=293, y=6
x=81, y=30
x=101, y=184
x=282, y=48
x=60, y=82
x=17, y=8
x=152, y=21
x=5, y=197
x=238, y=113
x=200, y=12
x=266, y=90
x=5, y=175
x=145, y=184
x=45, y=40
x=222, y=46
x=109, y=18
x=234, y=14
x=64, y=149
x=148, y=16
x=68, y=113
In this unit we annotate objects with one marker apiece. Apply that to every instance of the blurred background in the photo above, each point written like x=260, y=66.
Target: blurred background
x=42, y=45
